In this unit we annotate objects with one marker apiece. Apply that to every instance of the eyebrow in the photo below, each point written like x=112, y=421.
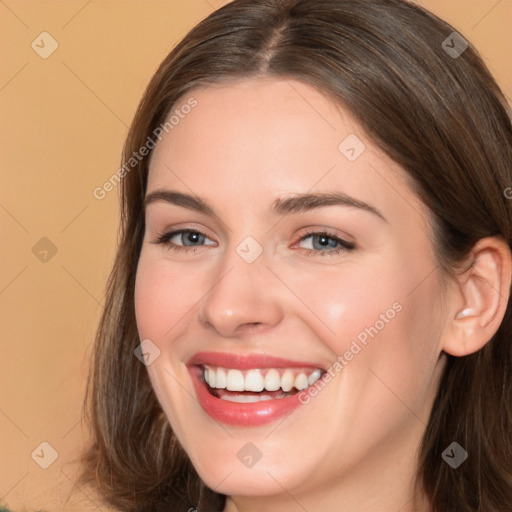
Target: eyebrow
x=281, y=206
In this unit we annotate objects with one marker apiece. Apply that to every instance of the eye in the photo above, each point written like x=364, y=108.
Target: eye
x=322, y=243
x=183, y=239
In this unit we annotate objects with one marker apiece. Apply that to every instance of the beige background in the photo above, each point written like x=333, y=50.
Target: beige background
x=63, y=122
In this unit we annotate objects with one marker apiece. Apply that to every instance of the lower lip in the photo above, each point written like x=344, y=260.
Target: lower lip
x=240, y=414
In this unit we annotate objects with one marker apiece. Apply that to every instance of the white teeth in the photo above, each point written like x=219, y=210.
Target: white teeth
x=287, y=380
x=211, y=378
x=220, y=379
x=301, y=381
x=258, y=380
x=246, y=399
x=235, y=381
x=272, y=380
x=312, y=378
x=254, y=381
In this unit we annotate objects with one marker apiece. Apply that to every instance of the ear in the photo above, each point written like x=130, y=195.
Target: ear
x=483, y=292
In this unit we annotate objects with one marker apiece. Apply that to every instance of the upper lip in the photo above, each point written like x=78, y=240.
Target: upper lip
x=246, y=361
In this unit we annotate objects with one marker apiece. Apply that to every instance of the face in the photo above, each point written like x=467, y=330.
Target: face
x=303, y=287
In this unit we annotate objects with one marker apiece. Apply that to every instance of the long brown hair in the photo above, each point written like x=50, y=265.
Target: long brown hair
x=440, y=116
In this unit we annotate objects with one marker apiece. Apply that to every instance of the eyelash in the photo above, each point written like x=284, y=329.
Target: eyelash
x=164, y=238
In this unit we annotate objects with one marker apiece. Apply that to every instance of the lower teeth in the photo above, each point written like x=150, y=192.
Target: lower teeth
x=245, y=399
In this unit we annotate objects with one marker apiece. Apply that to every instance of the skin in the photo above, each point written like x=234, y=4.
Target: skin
x=354, y=445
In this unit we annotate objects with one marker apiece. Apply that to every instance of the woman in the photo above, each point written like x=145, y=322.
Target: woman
x=309, y=307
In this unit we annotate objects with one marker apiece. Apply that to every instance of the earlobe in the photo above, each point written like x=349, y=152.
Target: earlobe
x=484, y=292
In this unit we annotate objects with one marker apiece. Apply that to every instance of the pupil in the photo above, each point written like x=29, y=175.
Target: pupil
x=192, y=237
x=323, y=241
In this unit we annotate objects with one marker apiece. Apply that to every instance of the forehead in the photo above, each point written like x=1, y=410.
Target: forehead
x=267, y=122
x=250, y=141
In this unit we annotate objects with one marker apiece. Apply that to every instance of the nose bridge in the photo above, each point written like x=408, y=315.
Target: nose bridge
x=241, y=292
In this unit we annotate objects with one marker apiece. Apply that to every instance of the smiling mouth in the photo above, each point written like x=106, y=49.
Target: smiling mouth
x=258, y=384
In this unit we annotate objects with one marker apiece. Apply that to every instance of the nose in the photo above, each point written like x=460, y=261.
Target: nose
x=243, y=298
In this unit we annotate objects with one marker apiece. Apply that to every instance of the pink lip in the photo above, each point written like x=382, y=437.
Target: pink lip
x=231, y=413
x=246, y=362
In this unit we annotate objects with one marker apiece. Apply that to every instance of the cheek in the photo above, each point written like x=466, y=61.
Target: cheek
x=150, y=299
x=380, y=325
x=162, y=297
x=343, y=301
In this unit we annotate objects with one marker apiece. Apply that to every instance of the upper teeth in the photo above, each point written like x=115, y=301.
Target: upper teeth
x=270, y=379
